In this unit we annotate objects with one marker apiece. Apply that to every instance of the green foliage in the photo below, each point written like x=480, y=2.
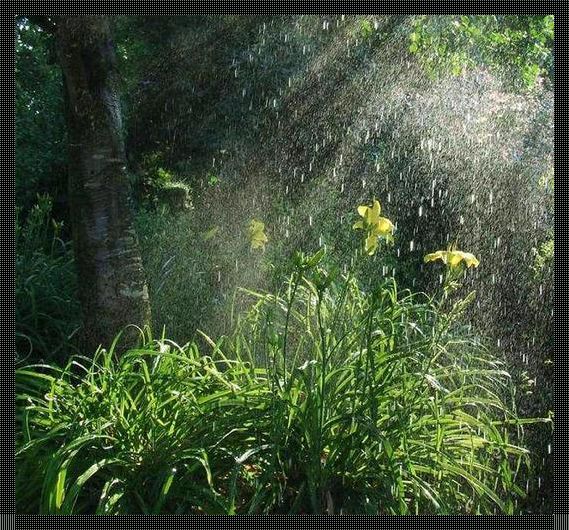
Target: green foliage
x=143, y=434
x=212, y=179
x=154, y=186
x=520, y=46
x=178, y=271
x=543, y=260
x=366, y=28
x=47, y=311
x=40, y=123
x=324, y=398
x=194, y=260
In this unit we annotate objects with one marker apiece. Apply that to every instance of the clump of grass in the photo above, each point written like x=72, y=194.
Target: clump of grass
x=325, y=398
x=47, y=307
x=155, y=431
x=381, y=402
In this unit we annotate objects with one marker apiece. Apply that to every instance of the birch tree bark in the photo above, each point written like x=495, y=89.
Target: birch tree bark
x=112, y=287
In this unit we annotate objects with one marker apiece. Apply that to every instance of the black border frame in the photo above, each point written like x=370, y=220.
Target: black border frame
x=8, y=519
x=7, y=307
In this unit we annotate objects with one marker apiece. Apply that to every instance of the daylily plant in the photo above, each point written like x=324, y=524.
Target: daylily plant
x=374, y=225
x=257, y=235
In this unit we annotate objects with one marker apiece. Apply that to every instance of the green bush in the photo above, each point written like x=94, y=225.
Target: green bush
x=325, y=398
x=153, y=186
x=194, y=260
x=47, y=309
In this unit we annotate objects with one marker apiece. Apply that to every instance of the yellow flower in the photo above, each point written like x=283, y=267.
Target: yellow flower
x=453, y=258
x=257, y=234
x=375, y=226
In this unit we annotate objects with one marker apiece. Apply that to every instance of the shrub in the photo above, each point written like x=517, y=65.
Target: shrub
x=194, y=260
x=325, y=398
x=141, y=434
x=47, y=309
x=381, y=402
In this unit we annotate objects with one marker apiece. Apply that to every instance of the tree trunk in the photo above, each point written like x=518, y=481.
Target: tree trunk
x=112, y=286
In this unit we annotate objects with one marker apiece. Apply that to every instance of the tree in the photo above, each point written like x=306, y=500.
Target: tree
x=112, y=287
x=519, y=47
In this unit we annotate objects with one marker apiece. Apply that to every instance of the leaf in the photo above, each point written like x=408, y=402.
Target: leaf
x=371, y=244
x=316, y=258
x=75, y=489
x=167, y=484
x=210, y=234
